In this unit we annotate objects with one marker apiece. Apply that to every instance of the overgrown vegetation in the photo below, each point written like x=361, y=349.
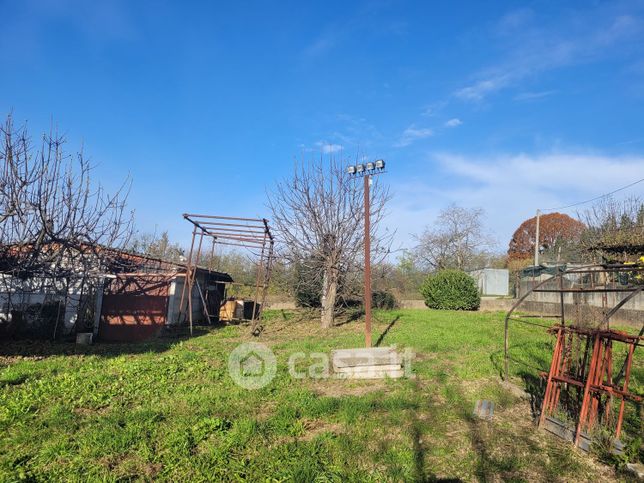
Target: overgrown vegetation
x=451, y=290
x=381, y=299
x=317, y=217
x=167, y=410
x=615, y=229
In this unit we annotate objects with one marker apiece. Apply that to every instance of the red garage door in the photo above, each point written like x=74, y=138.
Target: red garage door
x=134, y=307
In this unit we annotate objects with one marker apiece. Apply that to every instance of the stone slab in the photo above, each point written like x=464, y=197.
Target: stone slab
x=356, y=369
x=375, y=373
x=484, y=409
x=373, y=356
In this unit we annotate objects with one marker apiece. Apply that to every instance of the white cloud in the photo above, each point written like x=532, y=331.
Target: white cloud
x=413, y=133
x=480, y=89
x=434, y=108
x=509, y=188
x=533, y=47
x=532, y=96
x=560, y=174
x=455, y=122
x=328, y=148
x=515, y=19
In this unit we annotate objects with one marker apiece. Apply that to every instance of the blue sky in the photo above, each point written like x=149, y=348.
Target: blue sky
x=493, y=104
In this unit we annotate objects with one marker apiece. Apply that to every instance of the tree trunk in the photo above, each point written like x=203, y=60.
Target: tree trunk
x=329, y=295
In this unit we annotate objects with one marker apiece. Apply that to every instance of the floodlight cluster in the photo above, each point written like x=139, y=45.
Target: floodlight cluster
x=367, y=168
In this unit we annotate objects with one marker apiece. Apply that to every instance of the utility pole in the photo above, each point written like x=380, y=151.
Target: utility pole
x=536, y=240
x=367, y=171
x=367, y=262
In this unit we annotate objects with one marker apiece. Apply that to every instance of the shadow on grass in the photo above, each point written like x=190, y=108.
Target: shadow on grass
x=485, y=435
x=418, y=446
x=40, y=349
x=533, y=359
x=386, y=331
x=534, y=356
x=351, y=317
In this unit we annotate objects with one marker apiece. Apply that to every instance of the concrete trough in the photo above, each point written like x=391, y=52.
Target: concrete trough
x=367, y=363
x=560, y=429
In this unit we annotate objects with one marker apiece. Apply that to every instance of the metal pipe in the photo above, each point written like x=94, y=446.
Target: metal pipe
x=212, y=217
x=536, y=240
x=215, y=226
x=191, y=279
x=627, y=375
x=260, y=267
x=553, y=372
x=367, y=262
x=591, y=374
x=585, y=290
x=188, y=268
x=235, y=225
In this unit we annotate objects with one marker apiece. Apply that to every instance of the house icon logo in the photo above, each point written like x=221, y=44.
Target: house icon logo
x=252, y=365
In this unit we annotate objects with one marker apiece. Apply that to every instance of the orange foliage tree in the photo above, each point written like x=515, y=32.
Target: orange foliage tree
x=553, y=229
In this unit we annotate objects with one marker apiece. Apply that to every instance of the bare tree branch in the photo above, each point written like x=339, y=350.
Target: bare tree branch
x=457, y=240
x=318, y=216
x=54, y=222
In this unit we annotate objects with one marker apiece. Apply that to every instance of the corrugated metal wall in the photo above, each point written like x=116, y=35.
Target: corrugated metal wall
x=134, y=308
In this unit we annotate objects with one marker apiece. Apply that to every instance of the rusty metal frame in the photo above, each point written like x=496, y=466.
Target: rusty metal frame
x=591, y=373
x=591, y=385
x=559, y=277
x=253, y=234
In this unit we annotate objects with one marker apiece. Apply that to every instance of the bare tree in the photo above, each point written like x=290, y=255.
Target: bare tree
x=56, y=226
x=318, y=217
x=158, y=247
x=457, y=240
x=615, y=228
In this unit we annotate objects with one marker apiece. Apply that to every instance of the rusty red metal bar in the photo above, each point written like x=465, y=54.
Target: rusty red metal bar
x=252, y=234
x=367, y=262
x=597, y=278
x=593, y=384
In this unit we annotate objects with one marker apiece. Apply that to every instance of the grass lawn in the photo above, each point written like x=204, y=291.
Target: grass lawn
x=168, y=409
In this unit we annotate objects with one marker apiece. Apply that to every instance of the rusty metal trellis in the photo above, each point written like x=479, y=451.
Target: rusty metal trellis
x=591, y=378
x=602, y=279
x=253, y=234
x=582, y=383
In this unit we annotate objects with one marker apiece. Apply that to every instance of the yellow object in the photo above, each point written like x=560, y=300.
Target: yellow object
x=232, y=310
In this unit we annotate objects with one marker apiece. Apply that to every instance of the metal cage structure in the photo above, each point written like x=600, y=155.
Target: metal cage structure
x=252, y=234
x=586, y=375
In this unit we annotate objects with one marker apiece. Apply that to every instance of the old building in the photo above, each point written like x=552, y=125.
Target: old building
x=131, y=297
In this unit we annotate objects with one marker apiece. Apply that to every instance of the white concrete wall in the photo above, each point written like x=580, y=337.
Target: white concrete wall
x=174, y=294
x=492, y=281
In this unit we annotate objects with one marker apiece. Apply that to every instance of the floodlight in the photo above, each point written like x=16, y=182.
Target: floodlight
x=351, y=170
x=380, y=164
x=370, y=166
x=360, y=168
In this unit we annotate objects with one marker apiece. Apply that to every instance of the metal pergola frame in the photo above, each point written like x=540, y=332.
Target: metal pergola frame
x=592, y=375
x=253, y=234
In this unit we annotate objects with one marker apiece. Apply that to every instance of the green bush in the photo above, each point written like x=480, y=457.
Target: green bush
x=451, y=290
x=381, y=299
